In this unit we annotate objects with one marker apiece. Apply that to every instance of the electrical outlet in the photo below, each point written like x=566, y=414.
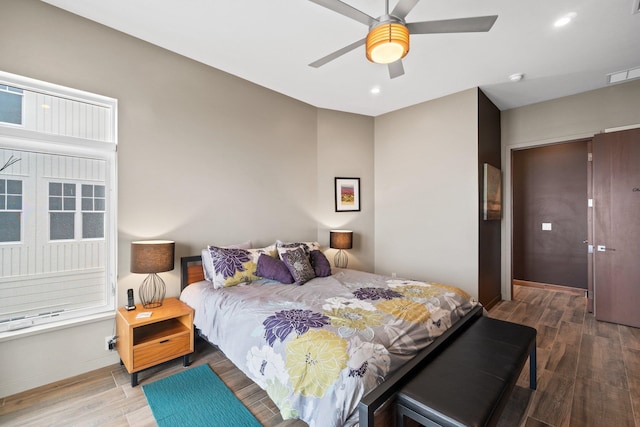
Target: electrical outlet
x=109, y=343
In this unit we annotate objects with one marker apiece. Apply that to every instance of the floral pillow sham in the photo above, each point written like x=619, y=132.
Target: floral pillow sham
x=232, y=266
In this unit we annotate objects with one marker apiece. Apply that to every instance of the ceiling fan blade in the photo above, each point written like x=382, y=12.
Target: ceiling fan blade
x=461, y=25
x=346, y=10
x=403, y=8
x=338, y=53
x=395, y=69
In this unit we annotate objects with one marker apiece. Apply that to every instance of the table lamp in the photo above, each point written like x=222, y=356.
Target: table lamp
x=341, y=239
x=152, y=257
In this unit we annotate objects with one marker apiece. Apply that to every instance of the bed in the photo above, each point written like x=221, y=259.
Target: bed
x=332, y=350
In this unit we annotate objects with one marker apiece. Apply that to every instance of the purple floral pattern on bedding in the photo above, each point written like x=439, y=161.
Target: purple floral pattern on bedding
x=228, y=261
x=281, y=324
x=317, y=349
x=376, y=294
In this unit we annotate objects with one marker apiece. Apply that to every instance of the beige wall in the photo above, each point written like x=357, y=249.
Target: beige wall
x=345, y=149
x=203, y=158
x=426, y=203
x=563, y=119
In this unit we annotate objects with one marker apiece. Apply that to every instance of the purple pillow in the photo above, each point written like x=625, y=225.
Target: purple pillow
x=320, y=264
x=274, y=269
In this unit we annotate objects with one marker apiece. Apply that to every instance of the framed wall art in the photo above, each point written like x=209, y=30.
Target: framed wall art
x=347, y=194
x=492, y=203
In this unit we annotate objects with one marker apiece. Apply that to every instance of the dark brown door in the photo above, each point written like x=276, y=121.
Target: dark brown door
x=616, y=217
x=550, y=214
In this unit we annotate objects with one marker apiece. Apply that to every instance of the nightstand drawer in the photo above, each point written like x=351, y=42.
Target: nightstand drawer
x=151, y=354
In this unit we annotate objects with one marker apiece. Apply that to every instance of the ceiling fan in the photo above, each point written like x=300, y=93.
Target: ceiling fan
x=388, y=39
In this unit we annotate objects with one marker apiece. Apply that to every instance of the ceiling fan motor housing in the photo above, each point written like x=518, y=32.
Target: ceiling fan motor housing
x=387, y=40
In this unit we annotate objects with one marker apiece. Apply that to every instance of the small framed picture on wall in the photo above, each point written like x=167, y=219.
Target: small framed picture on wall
x=492, y=196
x=347, y=194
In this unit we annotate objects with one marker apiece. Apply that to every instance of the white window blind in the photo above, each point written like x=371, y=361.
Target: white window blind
x=57, y=205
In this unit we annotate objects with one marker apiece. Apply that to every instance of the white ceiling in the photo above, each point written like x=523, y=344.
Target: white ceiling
x=271, y=43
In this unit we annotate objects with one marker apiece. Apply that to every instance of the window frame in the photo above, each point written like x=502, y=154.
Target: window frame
x=22, y=112
x=14, y=137
x=5, y=209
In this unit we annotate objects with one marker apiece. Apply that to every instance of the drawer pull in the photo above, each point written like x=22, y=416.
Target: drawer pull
x=164, y=341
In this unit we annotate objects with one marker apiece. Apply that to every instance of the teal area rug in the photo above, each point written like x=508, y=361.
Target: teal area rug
x=196, y=397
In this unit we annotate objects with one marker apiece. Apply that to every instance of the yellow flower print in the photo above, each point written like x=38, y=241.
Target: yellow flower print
x=248, y=275
x=405, y=309
x=417, y=291
x=355, y=318
x=452, y=289
x=314, y=361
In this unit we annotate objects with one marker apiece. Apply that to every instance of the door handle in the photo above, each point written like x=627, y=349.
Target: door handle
x=603, y=248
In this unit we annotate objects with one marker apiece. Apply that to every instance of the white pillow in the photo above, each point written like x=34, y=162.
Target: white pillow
x=207, y=262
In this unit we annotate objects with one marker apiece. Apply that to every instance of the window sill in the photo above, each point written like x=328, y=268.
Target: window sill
x=50, y=327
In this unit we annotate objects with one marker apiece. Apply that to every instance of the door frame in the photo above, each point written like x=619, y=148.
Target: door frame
x=507, y=223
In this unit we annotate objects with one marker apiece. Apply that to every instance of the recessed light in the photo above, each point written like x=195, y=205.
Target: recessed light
x=564, y=20
x=516, y=77
x=375, y=90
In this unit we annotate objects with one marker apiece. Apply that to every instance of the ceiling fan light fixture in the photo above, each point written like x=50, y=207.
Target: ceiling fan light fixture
x=387, y=42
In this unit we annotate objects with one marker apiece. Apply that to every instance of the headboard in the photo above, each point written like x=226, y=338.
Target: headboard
x=190, y=270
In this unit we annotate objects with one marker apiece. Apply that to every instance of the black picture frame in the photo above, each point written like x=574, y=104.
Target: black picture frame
x=347, y=194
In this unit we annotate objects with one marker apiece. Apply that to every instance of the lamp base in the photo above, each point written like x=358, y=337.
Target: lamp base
x=341, y=259
x=152, y=291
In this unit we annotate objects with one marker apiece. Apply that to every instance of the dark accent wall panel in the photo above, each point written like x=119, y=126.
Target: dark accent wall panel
x=489, y=253
x=550, y=186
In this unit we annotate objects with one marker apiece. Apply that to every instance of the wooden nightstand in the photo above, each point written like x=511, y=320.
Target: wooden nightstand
x=166, y=335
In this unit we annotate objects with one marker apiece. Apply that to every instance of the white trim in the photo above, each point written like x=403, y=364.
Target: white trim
x=49, y=327
x=56, y=90
x=619, y=128
x=507, y=220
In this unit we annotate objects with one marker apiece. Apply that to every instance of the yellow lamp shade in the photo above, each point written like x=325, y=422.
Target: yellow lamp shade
x=387, y=43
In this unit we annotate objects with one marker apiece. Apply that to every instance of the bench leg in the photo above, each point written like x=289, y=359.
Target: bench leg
x=402, y=412
x=533, y=383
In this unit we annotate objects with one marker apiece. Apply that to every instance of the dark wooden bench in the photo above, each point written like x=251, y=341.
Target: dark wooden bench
x=470, y=381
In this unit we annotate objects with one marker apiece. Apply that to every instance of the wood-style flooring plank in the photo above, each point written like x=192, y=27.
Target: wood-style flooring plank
x=60, y=391
x=630, y=336
x=563, y=359
x=601, y=360
x=503, y=308
x=553, y=399
x=576, y=309
x=516, y=409
x=600, y=329
x=551, y=317
x=599, y=404
x=546, y=336
x=527, y=314
x=142, y=417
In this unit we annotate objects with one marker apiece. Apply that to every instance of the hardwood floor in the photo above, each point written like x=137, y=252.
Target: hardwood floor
x=588, y=375
x=588, y=371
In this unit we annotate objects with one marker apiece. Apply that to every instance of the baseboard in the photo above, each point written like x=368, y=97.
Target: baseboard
x=493, y=302
x=577, y=291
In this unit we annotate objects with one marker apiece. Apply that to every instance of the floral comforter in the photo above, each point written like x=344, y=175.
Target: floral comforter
x=318, y=348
